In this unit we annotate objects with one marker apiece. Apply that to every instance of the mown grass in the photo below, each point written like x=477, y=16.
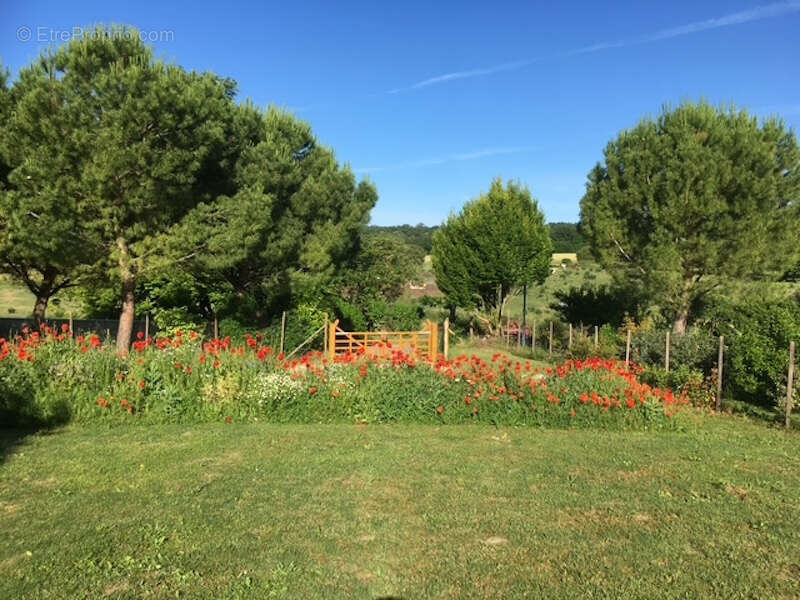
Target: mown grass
x=258, y=511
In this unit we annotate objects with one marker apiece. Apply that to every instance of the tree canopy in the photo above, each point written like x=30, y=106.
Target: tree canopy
x=698, y=196
x=497, y=242
x=43, y=241
x=288, y=228
x=126, y=170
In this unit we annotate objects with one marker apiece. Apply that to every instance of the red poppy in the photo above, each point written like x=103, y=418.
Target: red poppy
x=440, y=409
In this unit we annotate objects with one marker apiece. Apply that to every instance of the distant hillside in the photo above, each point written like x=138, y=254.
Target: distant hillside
x=417, y=235
x=565, y=236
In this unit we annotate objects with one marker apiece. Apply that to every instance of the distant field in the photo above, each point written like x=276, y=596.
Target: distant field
x=17, y=301
x=540, y=297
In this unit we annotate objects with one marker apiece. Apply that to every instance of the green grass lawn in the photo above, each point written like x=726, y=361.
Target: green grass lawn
x=261, y=511
x=487, y=350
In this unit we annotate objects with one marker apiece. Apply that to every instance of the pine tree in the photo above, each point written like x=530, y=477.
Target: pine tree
x=286, y=231
x=43, y=241
x=695, y=198
x=155, y=131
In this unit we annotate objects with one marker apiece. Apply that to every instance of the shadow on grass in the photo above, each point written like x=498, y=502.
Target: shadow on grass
x=19, y=420
x=10, y=439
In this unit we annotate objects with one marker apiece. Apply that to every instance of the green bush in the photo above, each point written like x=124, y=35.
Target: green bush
x=396, y=316
x=608, y=344
x=698, y=388
x=695, y=350
x=757, y=336
x=596, y=305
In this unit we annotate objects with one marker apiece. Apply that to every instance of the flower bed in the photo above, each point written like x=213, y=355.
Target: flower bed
x=55, y=377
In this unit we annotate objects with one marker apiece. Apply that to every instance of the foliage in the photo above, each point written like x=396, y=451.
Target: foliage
x=695, y=350
x=757, y=335
x=566, y=237
x=158, y=172
x=43, y=154
x=420, y=235
x=695, y=198
x=284, y=234
x=55, y=377
x=396, y=316
x=143, y=143
x=497, y=243
x=609, y=344
x=596, y=304
x=380, y=269
x=697, y=387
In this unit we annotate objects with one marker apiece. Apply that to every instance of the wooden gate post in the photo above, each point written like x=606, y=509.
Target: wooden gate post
x=433, y=341
x=666, y=355
x=325, y=334
x=533, y=337
x=596, y=336
x=146, y=326
x=332, y=340
x=570, y=336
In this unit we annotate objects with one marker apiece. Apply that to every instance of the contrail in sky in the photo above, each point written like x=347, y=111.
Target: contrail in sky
x=768, y=11
x=427, y=162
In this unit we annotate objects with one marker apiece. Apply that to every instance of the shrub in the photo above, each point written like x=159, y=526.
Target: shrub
x=694, y=350
x=608, y=344
x=396, y=316
x=757, y=336
x=698, y=388
x=596, y=305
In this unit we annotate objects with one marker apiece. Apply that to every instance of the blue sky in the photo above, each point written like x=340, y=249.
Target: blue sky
x=431, y=101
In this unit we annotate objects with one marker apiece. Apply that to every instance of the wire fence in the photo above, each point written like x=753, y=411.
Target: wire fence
x=105, y=328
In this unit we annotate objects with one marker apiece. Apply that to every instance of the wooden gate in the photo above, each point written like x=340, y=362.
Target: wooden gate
x=425, y=340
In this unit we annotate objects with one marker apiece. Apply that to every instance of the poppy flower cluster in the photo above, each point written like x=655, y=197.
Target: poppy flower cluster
x=185, y=377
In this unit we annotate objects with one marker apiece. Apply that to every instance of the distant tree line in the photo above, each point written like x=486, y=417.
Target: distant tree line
x=419, y=235
x=566, y=237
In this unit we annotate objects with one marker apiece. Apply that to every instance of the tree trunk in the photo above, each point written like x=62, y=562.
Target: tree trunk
x=43, y=294
x=452, y=314
x=125, y=328
x=39, y=310
x=679, y=323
